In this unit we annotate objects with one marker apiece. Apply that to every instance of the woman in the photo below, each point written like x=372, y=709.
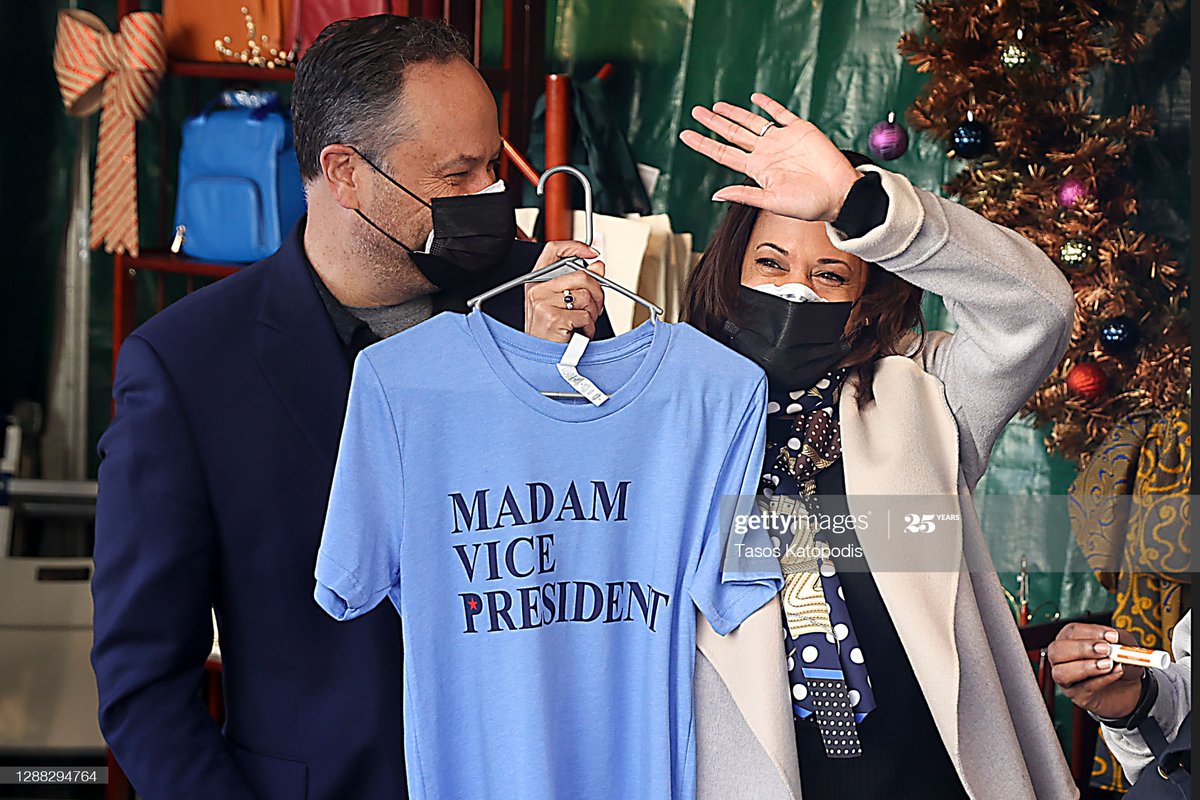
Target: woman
x=904, y=683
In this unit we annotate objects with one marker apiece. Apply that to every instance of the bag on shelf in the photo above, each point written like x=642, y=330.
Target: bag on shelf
x=239, y=183
x=192, y=27
x=309, y=17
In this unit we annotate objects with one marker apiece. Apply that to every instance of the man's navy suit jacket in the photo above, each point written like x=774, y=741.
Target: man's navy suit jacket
x=214, y=478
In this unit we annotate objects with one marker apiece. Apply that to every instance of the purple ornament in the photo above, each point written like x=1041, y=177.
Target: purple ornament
x=1071, y=191
x=888, y=140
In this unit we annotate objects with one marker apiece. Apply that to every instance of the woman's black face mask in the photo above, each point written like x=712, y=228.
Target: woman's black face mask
x=472, y=233
x=794, y=343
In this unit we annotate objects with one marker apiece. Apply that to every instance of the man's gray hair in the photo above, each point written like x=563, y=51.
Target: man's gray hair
x=349, y=82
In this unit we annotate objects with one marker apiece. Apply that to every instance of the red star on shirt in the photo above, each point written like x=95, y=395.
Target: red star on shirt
x=472, y=603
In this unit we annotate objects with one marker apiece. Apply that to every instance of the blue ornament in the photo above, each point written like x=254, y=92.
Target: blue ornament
x=970, y=139
x=1119, y=335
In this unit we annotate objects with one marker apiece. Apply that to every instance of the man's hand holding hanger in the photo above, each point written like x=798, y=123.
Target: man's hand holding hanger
x=556, y=308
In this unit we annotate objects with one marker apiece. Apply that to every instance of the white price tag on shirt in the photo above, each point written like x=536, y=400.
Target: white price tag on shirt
x=567, y=368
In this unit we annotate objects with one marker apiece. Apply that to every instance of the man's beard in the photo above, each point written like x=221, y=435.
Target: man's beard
x=383, y=259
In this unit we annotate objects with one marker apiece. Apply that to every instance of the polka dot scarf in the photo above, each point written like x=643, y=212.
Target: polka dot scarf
x=826, y=668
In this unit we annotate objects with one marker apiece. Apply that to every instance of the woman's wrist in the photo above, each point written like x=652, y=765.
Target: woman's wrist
x=844, y=184
x=864, y=209
x=903, y=220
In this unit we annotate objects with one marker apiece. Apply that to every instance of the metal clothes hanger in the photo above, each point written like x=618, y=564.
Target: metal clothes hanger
x=574, y=262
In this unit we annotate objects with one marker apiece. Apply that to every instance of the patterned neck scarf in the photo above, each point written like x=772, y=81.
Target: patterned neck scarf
x=825, y=665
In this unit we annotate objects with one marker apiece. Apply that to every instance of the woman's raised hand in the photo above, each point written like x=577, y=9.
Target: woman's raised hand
x=799, y=172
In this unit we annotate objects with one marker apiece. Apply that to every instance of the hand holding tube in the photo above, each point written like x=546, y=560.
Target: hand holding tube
x=1082, y=665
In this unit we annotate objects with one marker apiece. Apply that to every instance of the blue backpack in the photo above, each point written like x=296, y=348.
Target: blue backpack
x=239, y=182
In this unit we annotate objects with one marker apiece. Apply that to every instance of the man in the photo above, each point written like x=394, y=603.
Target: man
x=1129, y=700
x=229, y=404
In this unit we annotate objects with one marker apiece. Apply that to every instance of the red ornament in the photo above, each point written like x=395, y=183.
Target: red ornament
x=1087, y=380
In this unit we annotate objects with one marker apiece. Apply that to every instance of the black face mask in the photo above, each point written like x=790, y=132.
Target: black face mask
x=472, y=233
x=794, y=343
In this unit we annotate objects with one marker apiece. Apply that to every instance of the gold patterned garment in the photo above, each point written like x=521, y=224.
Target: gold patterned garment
x=802, y=596
x=1140, y=550
x=1098, y=524
x=1152, y=598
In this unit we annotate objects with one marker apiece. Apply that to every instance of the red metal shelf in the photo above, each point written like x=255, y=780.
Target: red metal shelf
x=497, y=79
x=229, y=71
x=166, y=261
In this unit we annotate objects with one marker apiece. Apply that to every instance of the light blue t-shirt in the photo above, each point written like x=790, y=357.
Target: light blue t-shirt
x=547, y=556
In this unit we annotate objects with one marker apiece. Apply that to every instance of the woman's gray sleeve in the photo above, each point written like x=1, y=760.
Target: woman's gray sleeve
x=1013, y=307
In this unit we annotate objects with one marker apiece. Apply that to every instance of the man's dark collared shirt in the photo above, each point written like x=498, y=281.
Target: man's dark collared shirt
x=354, y=334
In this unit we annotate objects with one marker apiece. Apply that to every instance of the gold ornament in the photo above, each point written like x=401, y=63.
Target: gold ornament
x=1015, y=55
x=1077, y=253
x=253, y=54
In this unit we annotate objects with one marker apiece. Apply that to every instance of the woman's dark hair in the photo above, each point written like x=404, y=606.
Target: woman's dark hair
x=889, y=307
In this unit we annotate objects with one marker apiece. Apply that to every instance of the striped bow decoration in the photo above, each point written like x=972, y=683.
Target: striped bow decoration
x=117, y=73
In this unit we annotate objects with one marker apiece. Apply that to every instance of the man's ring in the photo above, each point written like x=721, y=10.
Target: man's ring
x=766, y=127
x=568, y=300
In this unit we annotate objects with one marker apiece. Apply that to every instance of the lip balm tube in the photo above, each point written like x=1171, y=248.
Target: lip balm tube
x=1139, y=656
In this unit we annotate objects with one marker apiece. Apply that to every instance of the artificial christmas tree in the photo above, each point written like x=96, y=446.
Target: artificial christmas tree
x=1040, y=162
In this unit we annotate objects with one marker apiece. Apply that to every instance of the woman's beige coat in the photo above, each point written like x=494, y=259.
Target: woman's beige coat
x=929, y=431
